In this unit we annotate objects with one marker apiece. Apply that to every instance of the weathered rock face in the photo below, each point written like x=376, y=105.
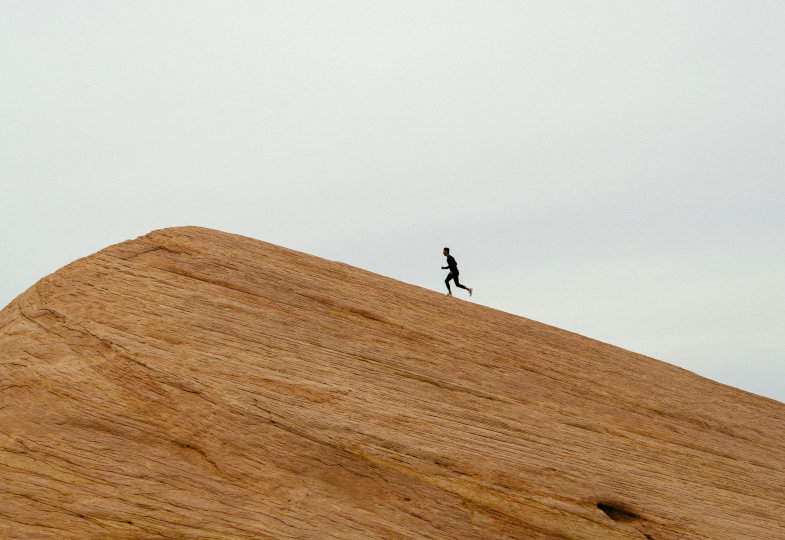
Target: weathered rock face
x=192, y=383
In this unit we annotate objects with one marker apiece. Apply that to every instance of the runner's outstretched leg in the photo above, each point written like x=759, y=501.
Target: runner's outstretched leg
x=457, y=284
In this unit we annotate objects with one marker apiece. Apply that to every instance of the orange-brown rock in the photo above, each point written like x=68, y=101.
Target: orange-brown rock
x=193, y=383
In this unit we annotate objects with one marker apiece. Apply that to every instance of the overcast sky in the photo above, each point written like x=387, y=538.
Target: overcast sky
x=613, y=168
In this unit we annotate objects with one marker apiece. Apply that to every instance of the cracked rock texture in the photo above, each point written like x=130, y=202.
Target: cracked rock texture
x=197, y=384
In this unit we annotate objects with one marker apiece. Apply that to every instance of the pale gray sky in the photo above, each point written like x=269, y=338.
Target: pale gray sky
x=614, y=168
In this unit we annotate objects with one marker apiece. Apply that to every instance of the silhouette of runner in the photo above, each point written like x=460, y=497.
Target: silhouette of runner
x=453, y=267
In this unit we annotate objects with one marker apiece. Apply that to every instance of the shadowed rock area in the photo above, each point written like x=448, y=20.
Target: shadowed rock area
x=197, y=384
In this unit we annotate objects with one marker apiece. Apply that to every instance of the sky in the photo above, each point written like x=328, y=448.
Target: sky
x=613, y=168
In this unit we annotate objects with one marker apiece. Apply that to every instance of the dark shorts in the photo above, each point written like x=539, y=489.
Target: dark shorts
x=453, y=275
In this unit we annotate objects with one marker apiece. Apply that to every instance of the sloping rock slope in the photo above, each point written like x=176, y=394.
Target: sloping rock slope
x=197, y=384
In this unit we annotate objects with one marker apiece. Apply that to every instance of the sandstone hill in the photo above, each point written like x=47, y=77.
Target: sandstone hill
x=197, y=384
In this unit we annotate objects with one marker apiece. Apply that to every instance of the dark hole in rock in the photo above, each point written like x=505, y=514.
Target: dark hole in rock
x=616, y=513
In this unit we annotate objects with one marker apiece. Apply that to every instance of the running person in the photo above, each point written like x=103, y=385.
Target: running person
x=453, y=267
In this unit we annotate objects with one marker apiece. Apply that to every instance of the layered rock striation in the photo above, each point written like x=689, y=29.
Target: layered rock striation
x=197, y=384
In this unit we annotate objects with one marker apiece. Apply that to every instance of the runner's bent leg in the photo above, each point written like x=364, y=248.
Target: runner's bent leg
x=455, y=278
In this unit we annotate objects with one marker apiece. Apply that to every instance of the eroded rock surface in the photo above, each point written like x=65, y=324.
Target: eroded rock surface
x=193, y=383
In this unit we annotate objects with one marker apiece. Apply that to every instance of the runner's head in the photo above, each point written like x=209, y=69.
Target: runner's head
x=446, y=251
